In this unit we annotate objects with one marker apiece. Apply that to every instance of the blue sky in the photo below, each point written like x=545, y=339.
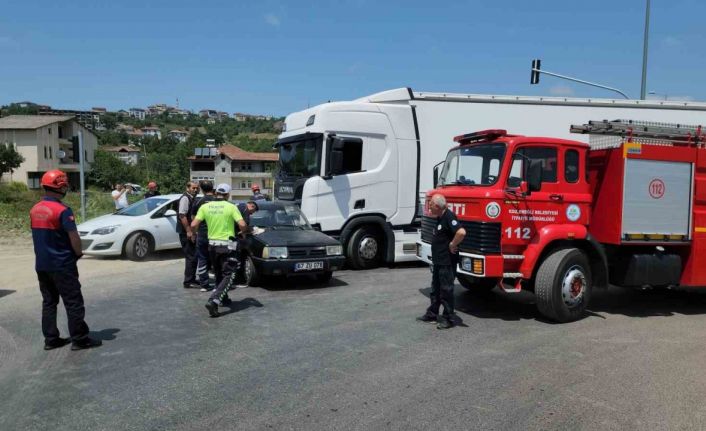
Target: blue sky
x=274, y=57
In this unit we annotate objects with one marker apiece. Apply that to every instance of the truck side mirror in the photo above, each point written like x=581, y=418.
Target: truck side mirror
x=436, y=176
x=534, y=176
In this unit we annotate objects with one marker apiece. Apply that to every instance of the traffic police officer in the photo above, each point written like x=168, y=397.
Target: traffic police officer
x=221, y=216
x=57, y=247
x=448, y=234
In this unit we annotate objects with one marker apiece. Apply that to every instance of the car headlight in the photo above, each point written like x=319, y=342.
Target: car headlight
x=105, y=230
x=334, y=250
x=274, y=252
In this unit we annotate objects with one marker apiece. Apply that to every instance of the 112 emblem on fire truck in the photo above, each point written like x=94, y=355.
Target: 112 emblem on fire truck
x=492, y=210
x=573, y=212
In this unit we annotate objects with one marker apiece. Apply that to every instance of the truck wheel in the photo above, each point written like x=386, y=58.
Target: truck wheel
x=563, y=285
x=475, y=284
x=252, y=278
x=364, y=248
x=138, y=246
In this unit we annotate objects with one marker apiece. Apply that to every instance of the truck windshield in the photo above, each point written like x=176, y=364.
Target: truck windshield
x=473, y=165
x=300, y=158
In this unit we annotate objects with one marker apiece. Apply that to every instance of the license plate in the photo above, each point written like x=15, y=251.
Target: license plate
x=308, y=266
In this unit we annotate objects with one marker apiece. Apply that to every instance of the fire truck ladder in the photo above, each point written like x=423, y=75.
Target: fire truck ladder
x=645, y=131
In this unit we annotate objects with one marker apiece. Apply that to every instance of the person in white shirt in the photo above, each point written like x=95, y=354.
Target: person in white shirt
x=120, y=196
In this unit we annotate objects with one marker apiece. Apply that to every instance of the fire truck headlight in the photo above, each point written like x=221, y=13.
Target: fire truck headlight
x=467, y=264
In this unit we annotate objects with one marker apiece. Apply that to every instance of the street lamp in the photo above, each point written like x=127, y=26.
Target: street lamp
x=644, y=51
x=654, y=93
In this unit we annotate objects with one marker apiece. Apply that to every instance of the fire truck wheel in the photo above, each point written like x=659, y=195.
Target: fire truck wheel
x=475, y=284
x=563, y=285
x=364, y=248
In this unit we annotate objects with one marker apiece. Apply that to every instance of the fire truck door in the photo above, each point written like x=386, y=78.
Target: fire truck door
x=528, y=214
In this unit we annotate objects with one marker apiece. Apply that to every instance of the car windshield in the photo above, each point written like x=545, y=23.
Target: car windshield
x=300, y=158
x=286, y=217
x=142, y=207
x=473, y=165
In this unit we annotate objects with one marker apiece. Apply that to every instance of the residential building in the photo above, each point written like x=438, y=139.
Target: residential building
x=128, y=154
x=152, y=131
x=208, y=113
x=87, y=118
x=138, y=113
x=99, y=110
x=158, y=109
x=46, y=142
x=239, y=116
x=179, y=135
x=235, y=166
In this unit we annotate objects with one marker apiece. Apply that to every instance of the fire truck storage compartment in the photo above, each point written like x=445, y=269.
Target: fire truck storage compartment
x=637, y=270
x=656, y=197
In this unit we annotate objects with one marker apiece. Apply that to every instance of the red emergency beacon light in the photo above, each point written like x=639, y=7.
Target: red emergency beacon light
x=481, y=136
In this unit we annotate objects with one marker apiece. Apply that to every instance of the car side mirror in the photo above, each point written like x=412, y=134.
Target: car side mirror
x=170, y=213
x=534, y=176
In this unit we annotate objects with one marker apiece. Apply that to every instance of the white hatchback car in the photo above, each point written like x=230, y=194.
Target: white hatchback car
x=136, y=231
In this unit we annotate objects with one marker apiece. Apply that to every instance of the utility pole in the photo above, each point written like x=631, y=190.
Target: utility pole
x=82, y=180
x=643, y=87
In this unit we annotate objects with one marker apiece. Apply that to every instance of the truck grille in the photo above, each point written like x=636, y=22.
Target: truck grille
x=481, y=237
x=306, y=251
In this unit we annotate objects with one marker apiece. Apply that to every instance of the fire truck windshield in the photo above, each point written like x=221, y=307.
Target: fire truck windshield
x=473, y=165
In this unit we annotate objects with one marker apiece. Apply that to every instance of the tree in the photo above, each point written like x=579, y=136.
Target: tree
x=107, y=170
x=10, y=159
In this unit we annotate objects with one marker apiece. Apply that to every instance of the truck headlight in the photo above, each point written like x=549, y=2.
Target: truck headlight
x=334, y=250
x=105, y=230
x=274, y=252
x=467, y=264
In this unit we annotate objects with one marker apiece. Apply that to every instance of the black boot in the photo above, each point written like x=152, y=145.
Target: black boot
x=86, y=343
x=55, y=344
x=212, y=308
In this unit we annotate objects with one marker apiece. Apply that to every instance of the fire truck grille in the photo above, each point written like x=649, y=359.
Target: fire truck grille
x=481, y=237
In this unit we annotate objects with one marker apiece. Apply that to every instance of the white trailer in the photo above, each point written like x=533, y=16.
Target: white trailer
x=360, y=169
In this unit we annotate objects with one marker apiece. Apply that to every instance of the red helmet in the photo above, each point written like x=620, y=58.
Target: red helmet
x=151, y=185
x=55, y=179
x=255, y=187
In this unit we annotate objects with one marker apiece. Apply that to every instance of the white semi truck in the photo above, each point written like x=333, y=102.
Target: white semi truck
x=359, y=169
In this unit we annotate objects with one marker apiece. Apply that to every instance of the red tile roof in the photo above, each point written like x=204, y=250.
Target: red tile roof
x=235, y=153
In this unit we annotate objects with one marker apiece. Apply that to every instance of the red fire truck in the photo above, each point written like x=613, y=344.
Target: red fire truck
x=559, y=216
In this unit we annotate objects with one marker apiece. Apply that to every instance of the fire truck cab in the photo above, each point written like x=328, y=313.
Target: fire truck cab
x=560, y=217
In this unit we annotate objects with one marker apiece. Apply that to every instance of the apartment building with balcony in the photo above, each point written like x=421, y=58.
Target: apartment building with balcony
x=235, y=166
x=128, y=154
x=46, y=142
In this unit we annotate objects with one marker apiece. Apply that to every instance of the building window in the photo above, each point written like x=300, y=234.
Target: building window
x=45, y=151
x=223, y=169
x=33, y=179
x=51, y=156
x=49, y=130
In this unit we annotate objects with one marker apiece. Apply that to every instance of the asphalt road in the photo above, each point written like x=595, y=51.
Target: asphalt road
x=351, y=356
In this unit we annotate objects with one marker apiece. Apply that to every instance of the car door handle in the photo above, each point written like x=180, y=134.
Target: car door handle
x=556, y=197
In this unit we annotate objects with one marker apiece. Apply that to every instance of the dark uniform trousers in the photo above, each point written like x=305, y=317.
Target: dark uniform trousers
x=64, y=285
x=190, y=261
x=203, y=259
x=225, y=263
x=442, y=290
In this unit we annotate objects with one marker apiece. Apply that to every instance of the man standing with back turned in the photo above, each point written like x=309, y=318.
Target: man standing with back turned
x=448, y=234
x=57, y=247
x=187, y=236
x=221, y=217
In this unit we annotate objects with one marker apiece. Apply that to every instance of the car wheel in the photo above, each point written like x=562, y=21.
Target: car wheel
x=252, y=278
x=365, y=248
x=138, y=246
x=324, y=277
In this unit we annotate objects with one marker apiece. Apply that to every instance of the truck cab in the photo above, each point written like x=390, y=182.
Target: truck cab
x=514, y=195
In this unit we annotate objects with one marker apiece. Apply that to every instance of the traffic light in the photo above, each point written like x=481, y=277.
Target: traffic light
x=534, y=78
x=75, y=152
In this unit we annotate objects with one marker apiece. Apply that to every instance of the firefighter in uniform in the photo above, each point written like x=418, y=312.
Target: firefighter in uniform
x=57, y=247
x=221, y=217
x=448, y=234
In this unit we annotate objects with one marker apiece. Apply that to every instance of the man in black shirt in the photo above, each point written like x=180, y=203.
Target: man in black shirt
x=448, y=234
x=202, y=256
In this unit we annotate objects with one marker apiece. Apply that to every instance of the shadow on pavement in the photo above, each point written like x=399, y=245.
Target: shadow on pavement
x=614, y=300
x=241, y=305
x=105, y=334
x=5, y=292
x=300, y=282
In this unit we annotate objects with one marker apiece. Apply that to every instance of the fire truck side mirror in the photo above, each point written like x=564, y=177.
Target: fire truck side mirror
x=436, y=176
x=534, y=176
